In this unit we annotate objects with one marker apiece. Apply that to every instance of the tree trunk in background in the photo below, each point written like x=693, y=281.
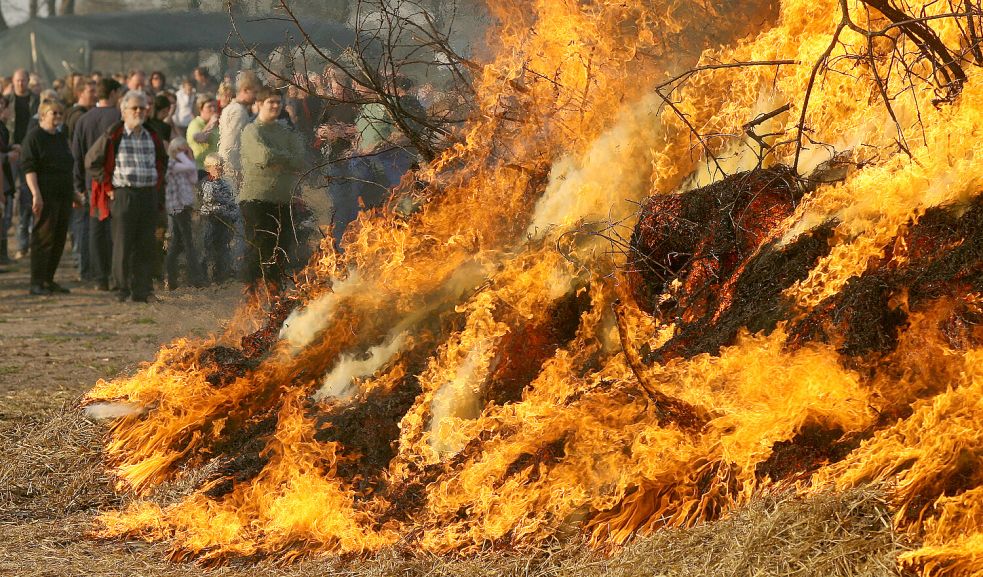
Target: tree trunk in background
x=32, y=9
x=51, y=7
x=3, y=21
x=67, y=7
x=194, y=5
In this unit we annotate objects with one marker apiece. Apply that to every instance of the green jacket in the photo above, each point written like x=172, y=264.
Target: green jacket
x=272, y=157
x=201, y=149
x=373, y=126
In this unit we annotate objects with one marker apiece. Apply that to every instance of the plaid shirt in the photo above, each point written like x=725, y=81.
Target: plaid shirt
x=136, y=160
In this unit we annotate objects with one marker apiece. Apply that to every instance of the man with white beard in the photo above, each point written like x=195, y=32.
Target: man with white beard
x=133, y=176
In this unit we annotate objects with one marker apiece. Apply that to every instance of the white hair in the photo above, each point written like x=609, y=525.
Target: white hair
x=134, y=95
x=176, y=144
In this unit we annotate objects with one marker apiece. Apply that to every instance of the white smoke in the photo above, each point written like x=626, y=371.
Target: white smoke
x=459, y=398
x=559, y=283
x=339, y=382
x=303, y=324
x=615, y=170
x=103, y=411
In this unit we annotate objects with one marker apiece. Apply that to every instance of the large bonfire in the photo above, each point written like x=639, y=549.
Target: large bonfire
x=683, y=254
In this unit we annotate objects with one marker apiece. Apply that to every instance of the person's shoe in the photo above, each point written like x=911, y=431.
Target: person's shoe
x=20, y=254
x=39, y=291
x=57, y=288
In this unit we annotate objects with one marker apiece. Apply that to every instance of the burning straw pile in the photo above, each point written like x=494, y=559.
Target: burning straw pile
x=799, y=304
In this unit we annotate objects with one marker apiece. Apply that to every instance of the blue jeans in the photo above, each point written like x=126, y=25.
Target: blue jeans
x=373, y=177
x=8, y=215
x=79, y=228
x=367, y=181
x=25, y=210
x=393, y=164
x=344, y=200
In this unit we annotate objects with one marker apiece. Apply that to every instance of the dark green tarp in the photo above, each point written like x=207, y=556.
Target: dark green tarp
x=48, y=45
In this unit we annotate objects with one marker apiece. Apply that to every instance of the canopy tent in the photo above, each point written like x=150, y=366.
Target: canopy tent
x=49, y=45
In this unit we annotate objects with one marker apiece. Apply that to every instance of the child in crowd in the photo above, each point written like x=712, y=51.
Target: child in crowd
x=184, y=106
x=182, y=176
x=219, y=214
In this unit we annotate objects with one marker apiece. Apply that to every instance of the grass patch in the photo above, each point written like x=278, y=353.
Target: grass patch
x=110, y=370
x=55, y=338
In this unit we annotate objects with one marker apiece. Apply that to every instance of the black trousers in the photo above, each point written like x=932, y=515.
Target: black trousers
x=101, y=249
x=182, y=239
x=270, y=239
x=217, y=235
x=134, y=242
x=48, y=237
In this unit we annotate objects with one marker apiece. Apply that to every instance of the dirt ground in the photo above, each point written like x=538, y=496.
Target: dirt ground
x=56, y=347
x=53, y=482
x=52, y=350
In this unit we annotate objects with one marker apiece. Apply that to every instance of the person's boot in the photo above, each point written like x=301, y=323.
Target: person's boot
x=4, y=257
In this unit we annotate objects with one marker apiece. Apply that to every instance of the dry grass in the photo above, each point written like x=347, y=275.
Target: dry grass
x=51, y=467
x=52, y=483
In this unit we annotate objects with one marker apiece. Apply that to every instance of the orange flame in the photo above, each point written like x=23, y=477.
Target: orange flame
x=493, y=362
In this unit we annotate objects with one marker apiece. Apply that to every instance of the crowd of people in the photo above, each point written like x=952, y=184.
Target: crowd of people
x=195, y=183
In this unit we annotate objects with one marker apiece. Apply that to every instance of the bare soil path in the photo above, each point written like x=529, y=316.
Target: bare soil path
x=54, y=348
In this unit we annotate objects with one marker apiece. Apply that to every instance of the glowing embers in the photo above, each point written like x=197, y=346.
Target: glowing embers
x=706, y=259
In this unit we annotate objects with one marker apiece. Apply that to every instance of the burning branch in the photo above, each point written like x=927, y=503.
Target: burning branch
x=678, y=80
x=668, y=410
x=930, y=47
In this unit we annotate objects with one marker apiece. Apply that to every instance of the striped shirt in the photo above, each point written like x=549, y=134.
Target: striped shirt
x=136, y=160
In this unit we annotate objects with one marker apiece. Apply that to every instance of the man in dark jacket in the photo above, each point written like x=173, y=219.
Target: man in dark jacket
x=134, y=166
x=8, y=156
x=24, y=105
x=88, y=129
x=85, y=99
